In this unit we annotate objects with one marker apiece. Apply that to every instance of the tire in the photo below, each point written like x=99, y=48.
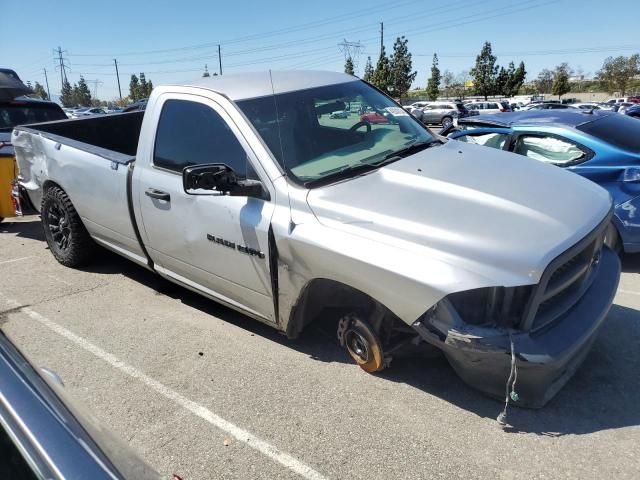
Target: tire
x=447, y=122
x=68, y=239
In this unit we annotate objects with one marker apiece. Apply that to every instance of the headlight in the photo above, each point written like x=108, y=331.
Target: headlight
x=494, y=306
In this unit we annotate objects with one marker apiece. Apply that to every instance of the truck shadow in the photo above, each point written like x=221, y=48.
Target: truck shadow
x=30, y=229
x=603, y=394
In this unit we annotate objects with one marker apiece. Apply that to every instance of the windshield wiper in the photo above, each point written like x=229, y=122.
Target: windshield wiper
x=413, y=148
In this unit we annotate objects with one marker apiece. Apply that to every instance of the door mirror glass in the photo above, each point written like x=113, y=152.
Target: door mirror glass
x=219, y=178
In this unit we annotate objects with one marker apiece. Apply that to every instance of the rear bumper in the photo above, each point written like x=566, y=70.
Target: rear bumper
x=546, y=359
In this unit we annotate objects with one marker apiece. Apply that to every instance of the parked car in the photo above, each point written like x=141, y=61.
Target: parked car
x=43, y=434
x=88, y=111
x=622, y=107
x=243, y=195
x=488, y=107
x=374, y=117
x=136, y=106
x=633, y=111
x=443, y=113
x=20, y=111
x=339, y=114
x=549, y=106
x=415, y=109
x=601, y=146
x=587, y=106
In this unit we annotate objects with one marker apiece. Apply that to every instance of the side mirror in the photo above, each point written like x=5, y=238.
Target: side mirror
x=220, y=178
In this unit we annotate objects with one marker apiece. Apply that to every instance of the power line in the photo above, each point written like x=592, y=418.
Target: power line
x=300, y=27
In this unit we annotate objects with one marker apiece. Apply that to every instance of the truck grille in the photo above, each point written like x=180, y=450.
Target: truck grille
x=565, y=280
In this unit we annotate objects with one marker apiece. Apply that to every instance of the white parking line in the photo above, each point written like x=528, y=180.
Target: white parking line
x=17, y=259
x=628, y=292
x=239, y=433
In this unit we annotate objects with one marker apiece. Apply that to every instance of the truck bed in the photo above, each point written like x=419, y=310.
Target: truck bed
x=91, y=160
x=119, y=132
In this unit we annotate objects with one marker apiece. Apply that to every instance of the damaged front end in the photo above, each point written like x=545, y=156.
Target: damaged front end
x=549, y=327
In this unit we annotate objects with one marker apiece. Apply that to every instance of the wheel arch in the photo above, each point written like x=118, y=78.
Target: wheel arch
x=319, y=294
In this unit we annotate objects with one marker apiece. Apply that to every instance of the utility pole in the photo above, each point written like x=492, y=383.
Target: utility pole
x=62, y=66
x=220, y=59
x=118, y=77
x=46, y=80
x=381, y=37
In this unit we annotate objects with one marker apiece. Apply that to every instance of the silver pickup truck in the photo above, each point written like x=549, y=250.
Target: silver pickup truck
x=248, y=190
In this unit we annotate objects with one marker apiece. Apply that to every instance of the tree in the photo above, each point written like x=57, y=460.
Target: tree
x=81, y=93
x=368, y=71
x=348, y=66
x=448, y=81
x=66, y=94
x=401, y=68
x=145, y=86
x=484, y=72
x=206, y=73
x=460, y=85
x=561, y=81
x=40, y=91
x=516, y=79
x=502, y=83
x=433, y=84
x=545, y=81
x=381, y=76
x=134, y=88
x=617, y=73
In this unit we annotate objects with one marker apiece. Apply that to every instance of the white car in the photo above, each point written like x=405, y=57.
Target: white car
x=339, y=114
x=415, y=109
x=587, y=106
x=88, y=111
x=486, y=107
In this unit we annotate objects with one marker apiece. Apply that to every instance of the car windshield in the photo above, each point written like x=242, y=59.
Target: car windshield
x=618, y=130
x=15, y=114
x=313, y=143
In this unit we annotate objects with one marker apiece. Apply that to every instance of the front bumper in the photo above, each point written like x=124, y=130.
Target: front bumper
x=546, y=359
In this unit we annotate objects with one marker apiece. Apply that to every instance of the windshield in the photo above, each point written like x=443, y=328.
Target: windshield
x=317, y=133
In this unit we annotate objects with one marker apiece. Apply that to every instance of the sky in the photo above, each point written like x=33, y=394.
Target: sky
x=172, y=41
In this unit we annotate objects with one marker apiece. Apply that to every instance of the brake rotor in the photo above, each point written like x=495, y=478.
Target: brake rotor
x=361, y=342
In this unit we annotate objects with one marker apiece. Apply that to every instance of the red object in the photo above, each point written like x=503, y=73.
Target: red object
x=373, y=117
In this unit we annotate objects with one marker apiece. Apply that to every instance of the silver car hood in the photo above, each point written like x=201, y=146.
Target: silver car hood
x=502, y=216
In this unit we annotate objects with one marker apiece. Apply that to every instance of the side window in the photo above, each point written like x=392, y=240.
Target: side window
x=493, y=140
x=190, y=133
x=549, y=149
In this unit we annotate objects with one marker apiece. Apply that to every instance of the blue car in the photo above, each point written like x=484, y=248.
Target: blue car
x=601, y=146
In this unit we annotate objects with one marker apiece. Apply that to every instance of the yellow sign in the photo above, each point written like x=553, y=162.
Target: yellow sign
x=468, y=83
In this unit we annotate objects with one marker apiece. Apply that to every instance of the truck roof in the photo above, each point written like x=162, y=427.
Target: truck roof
x=239, y=86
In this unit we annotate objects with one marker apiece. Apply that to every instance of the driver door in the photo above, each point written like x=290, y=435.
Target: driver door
x=214, y=243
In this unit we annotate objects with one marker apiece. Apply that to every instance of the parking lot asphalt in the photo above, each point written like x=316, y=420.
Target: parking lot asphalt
x=204, y=392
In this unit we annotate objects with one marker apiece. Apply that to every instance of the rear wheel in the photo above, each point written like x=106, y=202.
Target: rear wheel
x=447, y=122
x=68, y=239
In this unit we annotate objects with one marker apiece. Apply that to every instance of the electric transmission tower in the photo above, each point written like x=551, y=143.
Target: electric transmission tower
x=351, y=50
x=60, y=59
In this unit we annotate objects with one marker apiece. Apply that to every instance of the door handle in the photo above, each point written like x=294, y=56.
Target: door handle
x=159, y=194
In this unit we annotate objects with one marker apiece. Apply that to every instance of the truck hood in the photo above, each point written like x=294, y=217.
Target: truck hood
x=500, y=215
